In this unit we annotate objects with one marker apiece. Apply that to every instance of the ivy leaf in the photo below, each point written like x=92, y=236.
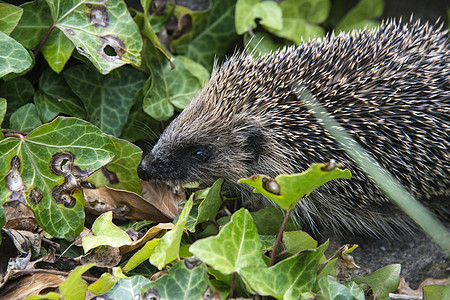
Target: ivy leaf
x=187, y=279
x=25, y=118
x=211, y=34
x=147, y=29
x=17, y=92
x=268, y=12
x=268, y=220
x=261, y=44
x=107, y=99
x=45, y=168
x=171, y=88
x=287, y=190
x=288, y=278
x=120, y=173
x=2, y=113
x=35, y=22
x=105, y=233
x=301, y=19
x=104, y=32
x=169, y=246
x=2, y=216
x=296, y=241
x=235, y=247
x=208, y=208
x=139, y=126
x=106, y=281
x=383, y=281
x=74, y=287
x=56, y=97
x=140, y=256
x=57, y=50
x=9, y=17
x=361, y=15
x=127, y=288
x=14, y=58
x=436, y=292
x=334, y=290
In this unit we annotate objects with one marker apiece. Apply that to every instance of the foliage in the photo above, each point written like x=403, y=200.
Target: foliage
x=83, y=80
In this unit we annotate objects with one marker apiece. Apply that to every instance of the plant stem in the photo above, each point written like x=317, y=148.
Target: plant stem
x=233, y=281
x=278, y=240
x=44, y=39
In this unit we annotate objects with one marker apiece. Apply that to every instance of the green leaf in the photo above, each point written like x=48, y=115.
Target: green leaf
x=2, y=217
x=187, y=279
x=209, y=207
x=49, y=296
x=147, y=29
x=104, y=32
x=2, y=114
x=361, y=15
x=33, y=25
x=57, y=50
x=333, y=290
x=103, y=284
x=212, y=32
x=142, y=255
x=296, y=241
x=107, y=99
x=74, y=288
x=235, y=247
x=287, y=190
x=56, y=97
x=436, y=292
x=169, y=246
x=17, y=92
x=301, y=19
x=9, y=17
x=261, y=44
x=105, y=233
x=288, y=278
x=268, y=12
x=139, y=126
x=106, y=281
x=121, y=173
x=269, y=219
x=14, y=58
x=383, y=281
x=127, y=288
x=26, y=118
x=45, y=169
x=159, y=19
x=171, y=88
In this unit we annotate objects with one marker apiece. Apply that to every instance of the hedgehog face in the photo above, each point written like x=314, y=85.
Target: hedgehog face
x=200, y=154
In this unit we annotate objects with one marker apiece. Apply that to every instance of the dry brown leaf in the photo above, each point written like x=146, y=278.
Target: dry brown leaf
x=123, y=204
x=404, y=288
x=24, y=240
x=20, y=217
x=151, y=233
x=344, y=264
x=102, y=256
x=30, y=285
x=163, y=197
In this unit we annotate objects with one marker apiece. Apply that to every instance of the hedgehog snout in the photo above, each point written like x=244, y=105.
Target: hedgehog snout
x=143, y=170
x=151, y=168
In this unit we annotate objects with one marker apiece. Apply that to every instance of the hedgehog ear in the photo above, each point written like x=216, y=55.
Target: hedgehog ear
x=254, y=140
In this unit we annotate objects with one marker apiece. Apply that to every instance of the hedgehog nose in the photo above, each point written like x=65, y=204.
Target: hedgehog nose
x=142, y=172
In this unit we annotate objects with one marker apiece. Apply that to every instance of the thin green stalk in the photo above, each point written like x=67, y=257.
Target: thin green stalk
x=279, y=236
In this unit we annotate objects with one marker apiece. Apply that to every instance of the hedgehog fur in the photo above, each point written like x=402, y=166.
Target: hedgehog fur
x=388, y=87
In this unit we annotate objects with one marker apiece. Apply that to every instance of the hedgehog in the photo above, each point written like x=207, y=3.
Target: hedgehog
x=389, y=87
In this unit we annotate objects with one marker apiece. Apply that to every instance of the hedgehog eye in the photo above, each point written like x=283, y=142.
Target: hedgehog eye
x=200, y=155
